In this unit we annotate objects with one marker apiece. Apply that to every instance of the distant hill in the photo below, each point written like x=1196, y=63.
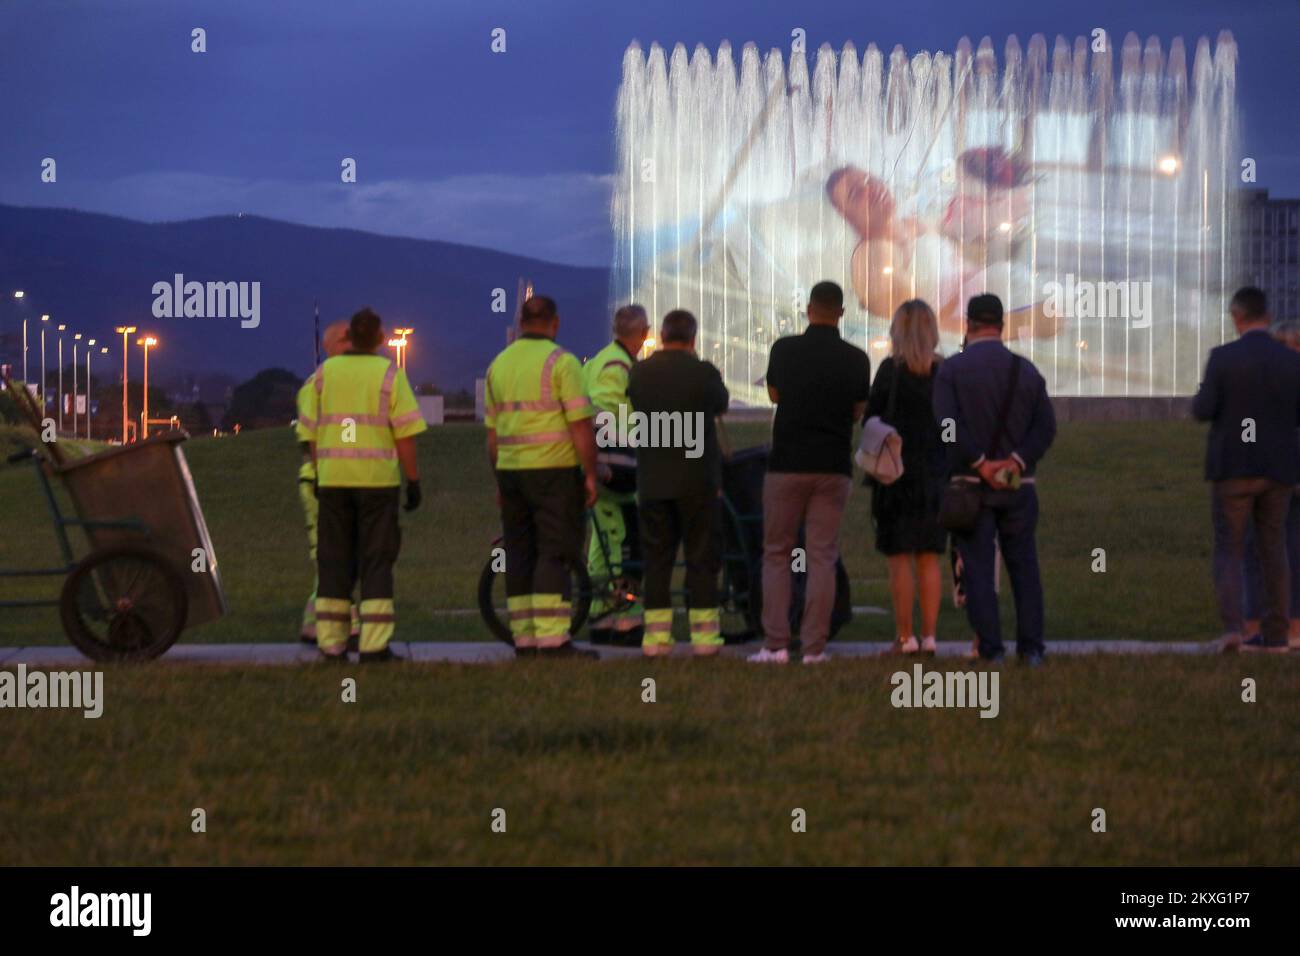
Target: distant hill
x=95, y=272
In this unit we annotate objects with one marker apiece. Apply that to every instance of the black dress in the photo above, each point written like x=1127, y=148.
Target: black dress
x=906, y=513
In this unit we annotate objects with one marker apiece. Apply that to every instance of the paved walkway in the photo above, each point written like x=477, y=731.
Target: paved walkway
x=476, y=652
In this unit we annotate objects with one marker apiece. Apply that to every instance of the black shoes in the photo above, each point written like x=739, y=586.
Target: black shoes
x=380, y=657
x=354, y=641
x=567, y=650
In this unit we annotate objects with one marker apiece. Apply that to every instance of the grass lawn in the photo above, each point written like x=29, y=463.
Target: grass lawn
x=710, y=773
x=1133, y=489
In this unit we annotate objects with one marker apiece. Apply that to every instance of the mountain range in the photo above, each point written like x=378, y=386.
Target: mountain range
x=95, y=272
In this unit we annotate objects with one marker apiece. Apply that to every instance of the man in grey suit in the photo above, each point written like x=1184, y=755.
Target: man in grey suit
x=972, y=392
x=1251, y=397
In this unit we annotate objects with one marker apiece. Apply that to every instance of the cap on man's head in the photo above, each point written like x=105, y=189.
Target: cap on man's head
x=984, y=309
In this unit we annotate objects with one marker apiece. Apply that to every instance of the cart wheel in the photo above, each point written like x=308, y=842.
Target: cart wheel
x=492, y=600
x=123, y=604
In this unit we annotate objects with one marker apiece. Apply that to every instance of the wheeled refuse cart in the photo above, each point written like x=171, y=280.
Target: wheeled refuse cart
x=151, y=570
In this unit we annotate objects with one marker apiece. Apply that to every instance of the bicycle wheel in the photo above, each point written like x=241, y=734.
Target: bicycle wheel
x=126, y=603
x=492, y=600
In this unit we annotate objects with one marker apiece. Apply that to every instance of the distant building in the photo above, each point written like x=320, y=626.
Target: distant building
x=1270, y=233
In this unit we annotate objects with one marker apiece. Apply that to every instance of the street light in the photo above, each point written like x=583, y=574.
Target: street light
x=75, y=339
x=147, y=341
x=124, y=331
x=18, y=294
x=61, y=328
x=44, y=319
x=399, y=343
x=90, y=347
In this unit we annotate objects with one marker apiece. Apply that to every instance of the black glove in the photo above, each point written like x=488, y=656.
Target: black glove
x=412, y=495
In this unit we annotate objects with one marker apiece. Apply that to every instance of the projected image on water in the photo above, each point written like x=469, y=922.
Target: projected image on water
x=1093, y=197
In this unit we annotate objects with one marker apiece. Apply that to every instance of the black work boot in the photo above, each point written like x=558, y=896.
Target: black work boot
x=380, y=657
x=567, y=650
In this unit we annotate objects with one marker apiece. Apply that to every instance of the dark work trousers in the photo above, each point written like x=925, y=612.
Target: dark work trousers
x=1235, y=502
x=691, y=522
x=1011, y=517
x=357, y=539
x=542, y=528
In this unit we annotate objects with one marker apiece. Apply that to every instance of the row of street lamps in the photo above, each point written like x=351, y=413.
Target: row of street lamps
x=147, y=341
x=398, y=343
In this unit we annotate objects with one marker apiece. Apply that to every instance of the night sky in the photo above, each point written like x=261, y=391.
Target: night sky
x=512, y=151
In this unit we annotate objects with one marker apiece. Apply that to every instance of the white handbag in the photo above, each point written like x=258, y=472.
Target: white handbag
x=880, y=450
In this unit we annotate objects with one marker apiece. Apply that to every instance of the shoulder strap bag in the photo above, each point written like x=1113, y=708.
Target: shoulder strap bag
x=880, y=450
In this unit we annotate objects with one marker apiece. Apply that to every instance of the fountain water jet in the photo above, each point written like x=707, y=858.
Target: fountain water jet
x=1099, y=207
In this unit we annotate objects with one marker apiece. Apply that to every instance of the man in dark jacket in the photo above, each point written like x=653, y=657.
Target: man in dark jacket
x=970, y=392
x=1251, y=397
x=675, y=396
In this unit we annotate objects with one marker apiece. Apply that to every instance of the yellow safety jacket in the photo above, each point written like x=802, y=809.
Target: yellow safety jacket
x=307, y=470
x=534, y=390
x=360, y=405
x=605, y=377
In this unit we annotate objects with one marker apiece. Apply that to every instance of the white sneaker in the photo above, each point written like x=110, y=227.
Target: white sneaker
x=929, y=646
x=904, y=645
x=816, y=658
x=765, y=656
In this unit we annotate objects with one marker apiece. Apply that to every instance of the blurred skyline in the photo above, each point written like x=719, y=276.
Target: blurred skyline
x=511, y=151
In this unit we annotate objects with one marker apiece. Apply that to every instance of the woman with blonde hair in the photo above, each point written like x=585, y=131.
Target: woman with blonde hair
x=906, y=513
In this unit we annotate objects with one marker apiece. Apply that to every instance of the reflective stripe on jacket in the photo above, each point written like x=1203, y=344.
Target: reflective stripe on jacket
x=533, y=391
x=360, y=405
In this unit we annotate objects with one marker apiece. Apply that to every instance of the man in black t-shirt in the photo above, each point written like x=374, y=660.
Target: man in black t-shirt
x=819, y=383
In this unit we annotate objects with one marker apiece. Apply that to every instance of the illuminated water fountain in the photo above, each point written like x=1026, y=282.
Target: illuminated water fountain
x=1095, y=202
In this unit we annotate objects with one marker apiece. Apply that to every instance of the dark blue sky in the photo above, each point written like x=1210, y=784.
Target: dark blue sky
x=453, y=142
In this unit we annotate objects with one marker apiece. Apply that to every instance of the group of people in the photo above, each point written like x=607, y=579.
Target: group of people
x=649, y=501
x=973, y=429
x=981, y=418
